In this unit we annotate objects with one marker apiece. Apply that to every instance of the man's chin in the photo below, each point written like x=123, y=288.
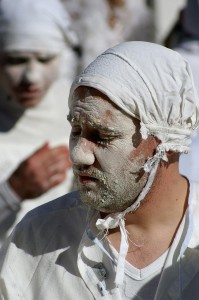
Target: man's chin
x=90, y=199
x=98, y=203
x=108, y=204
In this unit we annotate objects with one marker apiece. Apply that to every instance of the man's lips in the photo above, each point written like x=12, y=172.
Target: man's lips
x=86, y=178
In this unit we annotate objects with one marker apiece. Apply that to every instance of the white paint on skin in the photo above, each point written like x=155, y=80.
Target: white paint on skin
x=104, y=158
x=26, y=76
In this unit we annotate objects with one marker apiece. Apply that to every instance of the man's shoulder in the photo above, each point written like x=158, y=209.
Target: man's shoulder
x=57, y=224
x=44, y=245
x=56, y=212
x=67, y=202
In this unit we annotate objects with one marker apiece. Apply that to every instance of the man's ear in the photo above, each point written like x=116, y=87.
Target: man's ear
x=172, y=156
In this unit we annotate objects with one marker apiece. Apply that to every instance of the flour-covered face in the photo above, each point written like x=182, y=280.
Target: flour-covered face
x=107, y=152
x=26, y=76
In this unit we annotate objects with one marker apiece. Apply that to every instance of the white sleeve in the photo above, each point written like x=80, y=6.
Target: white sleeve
x=9, y=201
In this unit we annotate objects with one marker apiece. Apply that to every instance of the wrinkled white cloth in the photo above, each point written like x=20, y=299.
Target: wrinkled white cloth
x=35, y=25
x=153, y=84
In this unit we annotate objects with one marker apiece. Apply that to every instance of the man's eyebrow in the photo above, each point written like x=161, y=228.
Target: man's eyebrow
x=103, y=128
x=94, y=124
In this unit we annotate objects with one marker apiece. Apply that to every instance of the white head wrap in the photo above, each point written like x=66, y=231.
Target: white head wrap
x=35, y=25
x=153, y=84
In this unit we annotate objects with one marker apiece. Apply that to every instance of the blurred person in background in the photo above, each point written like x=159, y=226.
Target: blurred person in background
x=184, y=38
x=105, y=23
x=37, y=65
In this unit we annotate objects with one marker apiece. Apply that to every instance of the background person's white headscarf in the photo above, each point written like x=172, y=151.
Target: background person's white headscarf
x=153, y=84
x=39, y=25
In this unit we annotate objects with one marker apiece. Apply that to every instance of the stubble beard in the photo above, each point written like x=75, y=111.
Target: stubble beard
x=110, y=195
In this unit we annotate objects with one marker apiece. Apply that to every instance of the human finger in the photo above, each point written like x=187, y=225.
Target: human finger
x=56, y=155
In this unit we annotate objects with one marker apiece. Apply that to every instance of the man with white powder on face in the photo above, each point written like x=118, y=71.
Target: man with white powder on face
x=131, y=230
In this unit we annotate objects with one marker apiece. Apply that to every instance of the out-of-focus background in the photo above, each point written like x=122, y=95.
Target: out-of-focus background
x=166, y=13
x=150, y=20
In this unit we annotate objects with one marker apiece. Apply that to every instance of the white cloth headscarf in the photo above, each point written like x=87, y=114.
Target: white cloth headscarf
x=39, y=25
x=153, y=84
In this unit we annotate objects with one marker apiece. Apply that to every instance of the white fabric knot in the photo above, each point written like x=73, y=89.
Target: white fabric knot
x=160, y=154
x=110, y=222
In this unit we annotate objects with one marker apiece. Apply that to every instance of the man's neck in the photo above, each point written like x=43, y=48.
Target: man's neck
x=152, y=227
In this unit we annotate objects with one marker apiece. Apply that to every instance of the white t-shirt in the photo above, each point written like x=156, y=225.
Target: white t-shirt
x=141, y=284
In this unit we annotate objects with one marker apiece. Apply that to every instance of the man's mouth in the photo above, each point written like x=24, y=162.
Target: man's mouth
x=85, y=178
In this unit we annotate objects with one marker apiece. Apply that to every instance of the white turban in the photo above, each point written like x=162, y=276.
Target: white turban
x=153, y=84
x=35, y=25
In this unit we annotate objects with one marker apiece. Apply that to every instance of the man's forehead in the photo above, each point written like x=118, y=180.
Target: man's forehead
x=83, y=91
x=90, y=106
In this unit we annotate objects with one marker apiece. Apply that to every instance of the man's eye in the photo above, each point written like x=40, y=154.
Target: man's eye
x=45, y=59
x=104, y=141
x=9, y=60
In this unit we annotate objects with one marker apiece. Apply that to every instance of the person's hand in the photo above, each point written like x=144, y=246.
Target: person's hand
x=40, y=172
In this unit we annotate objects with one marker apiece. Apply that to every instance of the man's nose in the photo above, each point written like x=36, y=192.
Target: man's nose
x=82, y=153
x=32, y=72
